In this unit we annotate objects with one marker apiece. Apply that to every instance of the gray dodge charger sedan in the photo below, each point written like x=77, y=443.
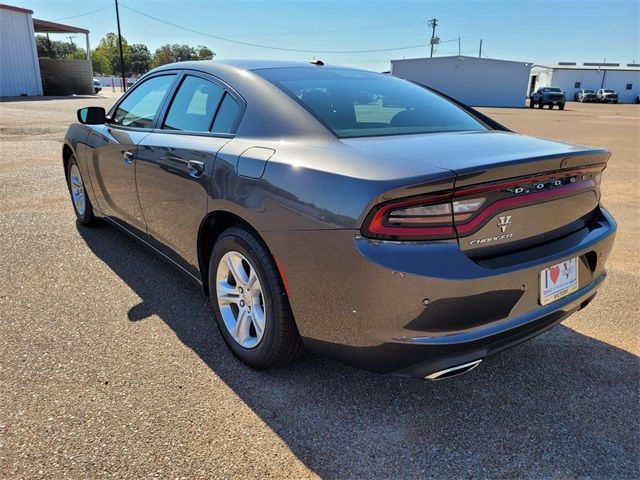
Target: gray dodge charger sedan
x=346, y=212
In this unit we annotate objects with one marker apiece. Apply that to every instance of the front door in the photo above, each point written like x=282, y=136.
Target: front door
x=114, y=148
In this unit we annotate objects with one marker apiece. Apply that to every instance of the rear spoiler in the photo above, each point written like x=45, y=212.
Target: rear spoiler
x=491, y=123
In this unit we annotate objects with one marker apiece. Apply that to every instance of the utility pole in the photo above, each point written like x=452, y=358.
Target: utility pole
x=458, y=46
x=434, y=23
x=480, y=51
x=124, y=80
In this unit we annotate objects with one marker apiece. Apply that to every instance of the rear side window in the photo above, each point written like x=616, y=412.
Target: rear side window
x=353, y=103
x=194, y=106
x=140, y=107
x=227, y=116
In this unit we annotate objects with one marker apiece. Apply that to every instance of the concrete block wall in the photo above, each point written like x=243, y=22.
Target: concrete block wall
x=66, y=77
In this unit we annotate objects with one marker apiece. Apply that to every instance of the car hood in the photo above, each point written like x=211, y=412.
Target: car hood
x=477, y=157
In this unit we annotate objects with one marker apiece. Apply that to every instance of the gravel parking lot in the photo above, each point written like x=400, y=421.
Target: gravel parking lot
x=111, y=365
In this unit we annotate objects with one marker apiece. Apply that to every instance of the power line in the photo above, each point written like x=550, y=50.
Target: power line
x=270, y=47
x=84, y=14
x=336, y=30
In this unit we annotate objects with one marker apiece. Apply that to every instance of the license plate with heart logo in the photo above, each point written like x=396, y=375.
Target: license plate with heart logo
x=558, y=281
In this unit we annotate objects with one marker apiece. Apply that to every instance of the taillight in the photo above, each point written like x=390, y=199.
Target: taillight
x=450, y=214
x=425, y=218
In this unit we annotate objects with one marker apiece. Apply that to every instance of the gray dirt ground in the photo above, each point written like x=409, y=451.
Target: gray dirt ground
x=111, y=366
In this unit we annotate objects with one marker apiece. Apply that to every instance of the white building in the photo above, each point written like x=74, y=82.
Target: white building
x=475, y=81
x=571, y=77
x=19, y=68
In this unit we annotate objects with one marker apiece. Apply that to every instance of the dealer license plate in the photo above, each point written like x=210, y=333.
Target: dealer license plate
x=558, y=281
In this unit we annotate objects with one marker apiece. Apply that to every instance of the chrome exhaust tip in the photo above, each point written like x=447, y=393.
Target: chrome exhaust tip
x=453, y=371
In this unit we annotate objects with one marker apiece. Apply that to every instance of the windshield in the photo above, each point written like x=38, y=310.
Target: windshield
x=609, y=91
x=353, y=103
x=551, y=89
x=589, y=91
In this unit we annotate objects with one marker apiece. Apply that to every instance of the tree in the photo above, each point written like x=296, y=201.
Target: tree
x=54, y=48
x=180, y=53
x=100, y=63
x=109, y=54
x=204, y=53
x=140, y=59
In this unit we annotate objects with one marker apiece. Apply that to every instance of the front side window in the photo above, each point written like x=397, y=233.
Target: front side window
x=353, y=103
x=194, y=106
x=140, y=107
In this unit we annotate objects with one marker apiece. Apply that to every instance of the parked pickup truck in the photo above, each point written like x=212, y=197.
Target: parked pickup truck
x=585, y=95
x=607, y=95
x=548, y=96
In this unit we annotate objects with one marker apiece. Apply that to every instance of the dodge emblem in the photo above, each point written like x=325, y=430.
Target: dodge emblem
x=504, y=222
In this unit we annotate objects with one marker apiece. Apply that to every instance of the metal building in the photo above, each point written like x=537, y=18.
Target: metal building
x=571, y=77
x=475, y=81
x=19, y=68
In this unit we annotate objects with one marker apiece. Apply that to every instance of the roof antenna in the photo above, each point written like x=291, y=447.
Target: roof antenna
x=319, y=63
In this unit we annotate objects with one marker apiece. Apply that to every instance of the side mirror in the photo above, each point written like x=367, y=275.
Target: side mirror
x=92, y=115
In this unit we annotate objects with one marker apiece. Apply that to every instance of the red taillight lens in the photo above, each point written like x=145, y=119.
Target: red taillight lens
x=421, y=218
x=449, y=214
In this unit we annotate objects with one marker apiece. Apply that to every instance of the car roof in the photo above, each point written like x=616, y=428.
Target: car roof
x=217, y=66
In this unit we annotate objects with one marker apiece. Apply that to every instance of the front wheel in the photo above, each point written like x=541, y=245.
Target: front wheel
x=561, y=106
x=531, y=103
x=540, y=104
x=79, y=198
x=250, y=302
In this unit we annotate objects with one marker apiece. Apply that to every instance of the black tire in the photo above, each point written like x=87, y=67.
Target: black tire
x=531, y=103
x=540, y=104
x=280, y=344
x=87, y=217
x=561, y=106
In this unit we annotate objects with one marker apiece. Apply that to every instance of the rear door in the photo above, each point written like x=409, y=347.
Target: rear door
x=113, y=161
x=175, y=162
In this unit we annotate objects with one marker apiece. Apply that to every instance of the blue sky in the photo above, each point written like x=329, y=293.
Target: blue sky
x=531, y=31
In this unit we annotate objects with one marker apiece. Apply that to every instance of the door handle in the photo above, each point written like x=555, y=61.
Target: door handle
x=196, y=169
x=128, y=158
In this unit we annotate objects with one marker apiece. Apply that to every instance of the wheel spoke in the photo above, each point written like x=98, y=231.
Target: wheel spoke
x=227, y=294
x=243, y=324
x=234, y=263
x=252, y=283
x=257, y=317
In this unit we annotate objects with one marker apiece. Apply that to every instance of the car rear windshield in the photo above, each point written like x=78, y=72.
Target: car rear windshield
x=589, y=91
x=354, y=103
x=552, y=89
x=609, y=91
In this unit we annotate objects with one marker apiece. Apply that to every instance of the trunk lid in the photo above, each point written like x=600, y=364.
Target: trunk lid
x=533, y=190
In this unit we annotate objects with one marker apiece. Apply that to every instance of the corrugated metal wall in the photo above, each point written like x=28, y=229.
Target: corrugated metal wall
x=19, y=69
x=475, y=81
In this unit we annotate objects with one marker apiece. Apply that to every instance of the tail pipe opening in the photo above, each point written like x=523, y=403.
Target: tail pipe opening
x=453, y=371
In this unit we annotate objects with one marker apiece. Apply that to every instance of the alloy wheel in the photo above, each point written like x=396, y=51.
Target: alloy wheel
x=77, y=190
x=240, y=299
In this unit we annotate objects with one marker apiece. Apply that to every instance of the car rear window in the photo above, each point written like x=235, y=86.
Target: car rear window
x=354, y=103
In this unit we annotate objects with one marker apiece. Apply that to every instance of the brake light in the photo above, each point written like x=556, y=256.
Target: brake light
x=421, y=218
x=447, y=215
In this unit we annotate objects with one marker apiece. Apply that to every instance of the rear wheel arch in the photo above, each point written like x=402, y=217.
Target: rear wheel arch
x=211, y=227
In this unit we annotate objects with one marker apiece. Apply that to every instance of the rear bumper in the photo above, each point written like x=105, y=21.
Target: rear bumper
x=416, y=308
